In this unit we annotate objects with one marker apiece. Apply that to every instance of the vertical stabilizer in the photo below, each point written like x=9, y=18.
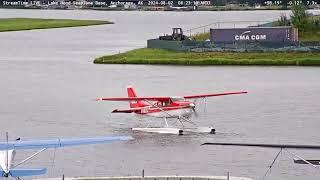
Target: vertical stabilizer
x=131, y=92
x=134, y=104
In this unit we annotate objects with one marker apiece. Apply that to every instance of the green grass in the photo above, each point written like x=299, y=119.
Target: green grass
x=309, y=36
x=166, y=57
x=313, y=31
x=18, y=24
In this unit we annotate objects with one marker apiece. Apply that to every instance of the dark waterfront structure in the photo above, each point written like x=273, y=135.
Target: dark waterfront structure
x=258, y=34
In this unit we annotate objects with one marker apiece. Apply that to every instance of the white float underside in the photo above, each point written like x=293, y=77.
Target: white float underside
x=160, y=130
x=199, y=129
x=172, y=130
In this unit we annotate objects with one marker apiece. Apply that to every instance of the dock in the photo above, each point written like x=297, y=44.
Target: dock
x=151, y=178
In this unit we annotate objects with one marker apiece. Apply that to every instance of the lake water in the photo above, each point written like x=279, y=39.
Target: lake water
x=48, y=83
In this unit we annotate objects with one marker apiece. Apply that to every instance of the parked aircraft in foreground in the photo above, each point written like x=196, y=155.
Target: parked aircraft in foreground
x=164, y=107
x=297, y=159
x=8, y=151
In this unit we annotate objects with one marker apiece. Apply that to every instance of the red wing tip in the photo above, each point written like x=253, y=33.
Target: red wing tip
x=98, y=99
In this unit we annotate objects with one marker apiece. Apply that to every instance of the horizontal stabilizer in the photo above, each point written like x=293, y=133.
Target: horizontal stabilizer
x=27, y=172
x=131, y=110
x=123, y=111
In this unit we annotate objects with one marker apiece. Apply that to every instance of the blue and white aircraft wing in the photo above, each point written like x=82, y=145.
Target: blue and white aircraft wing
x=60, y=142
x=27, y=172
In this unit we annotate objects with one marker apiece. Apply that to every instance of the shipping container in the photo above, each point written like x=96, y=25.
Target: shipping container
x=266, y=34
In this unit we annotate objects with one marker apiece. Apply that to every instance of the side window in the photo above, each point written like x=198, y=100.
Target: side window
x=159, y=104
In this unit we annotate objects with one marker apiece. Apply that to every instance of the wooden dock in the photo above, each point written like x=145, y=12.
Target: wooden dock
x=152, y=178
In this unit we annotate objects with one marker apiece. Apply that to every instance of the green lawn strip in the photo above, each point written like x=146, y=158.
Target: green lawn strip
x=309, y=36
x=160, y=56
x=18, y=24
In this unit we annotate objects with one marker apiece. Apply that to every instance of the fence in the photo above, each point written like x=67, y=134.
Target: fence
x=225, y=24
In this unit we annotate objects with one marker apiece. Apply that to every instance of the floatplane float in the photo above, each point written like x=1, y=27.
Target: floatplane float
x=8, y=152
x=165, y=107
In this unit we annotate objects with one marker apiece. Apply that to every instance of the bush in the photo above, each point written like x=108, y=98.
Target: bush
x=314, y=24
x=299, y=17
x=283, y=21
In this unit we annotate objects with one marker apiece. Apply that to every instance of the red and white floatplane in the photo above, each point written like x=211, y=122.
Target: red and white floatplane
x=179, y=108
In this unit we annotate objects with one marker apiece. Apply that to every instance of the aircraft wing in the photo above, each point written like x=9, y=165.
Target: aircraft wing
x=210, y=95
x=27, y=172
x=160, y=98
x=60, y=142
x=164, y=98
x=288, y=146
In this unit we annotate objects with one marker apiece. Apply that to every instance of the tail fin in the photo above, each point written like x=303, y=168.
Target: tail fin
x=27, y=172
x=134, y=104
x=131, y=92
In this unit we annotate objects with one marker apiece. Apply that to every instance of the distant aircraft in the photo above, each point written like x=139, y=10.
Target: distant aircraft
x=8, y=151
x=163, y=107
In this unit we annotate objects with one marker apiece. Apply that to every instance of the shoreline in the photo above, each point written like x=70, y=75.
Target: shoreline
x=151, y=10
x=167, y=57
x=137, y=7
x=24, y=24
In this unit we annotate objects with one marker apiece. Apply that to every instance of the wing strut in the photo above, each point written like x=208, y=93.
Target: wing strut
x=30, y=157
x=281, y=146
x=170, y=114
x=162, y=111
x=274, y=160
x=287, y=146
x=294, y=155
